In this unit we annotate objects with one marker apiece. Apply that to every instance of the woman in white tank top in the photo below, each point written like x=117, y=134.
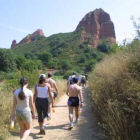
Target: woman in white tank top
x=41, y=95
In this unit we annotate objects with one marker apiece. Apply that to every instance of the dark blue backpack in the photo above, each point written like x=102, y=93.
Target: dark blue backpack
x=71, y=80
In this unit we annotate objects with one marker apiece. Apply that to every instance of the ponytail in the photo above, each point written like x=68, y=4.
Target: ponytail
x=23, y=81
x=42, y=79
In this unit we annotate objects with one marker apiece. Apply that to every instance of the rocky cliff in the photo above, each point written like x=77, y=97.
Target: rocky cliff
x=28, y=38
x=14, y=43
x=97, y=26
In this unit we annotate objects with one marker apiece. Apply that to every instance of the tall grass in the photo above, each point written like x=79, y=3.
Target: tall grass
x=115, y=91
x=62, y=85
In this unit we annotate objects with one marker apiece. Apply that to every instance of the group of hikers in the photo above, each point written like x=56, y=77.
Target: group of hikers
x=43, y=99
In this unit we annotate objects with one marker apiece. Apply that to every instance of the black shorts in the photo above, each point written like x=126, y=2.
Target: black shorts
x=73, y=101
x=54, y=95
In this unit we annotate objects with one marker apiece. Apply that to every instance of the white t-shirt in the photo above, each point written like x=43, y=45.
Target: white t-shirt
x=23, y=104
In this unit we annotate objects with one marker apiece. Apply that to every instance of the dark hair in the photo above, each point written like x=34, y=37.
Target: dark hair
x=74, y=73
x=42, y=79
x=49, y=75
x=75, y=80
x=23, y=81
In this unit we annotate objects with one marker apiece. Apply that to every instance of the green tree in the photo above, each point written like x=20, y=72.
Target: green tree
x=82, y=59
x=90, y=65
x=7, y=60
x=103, y=47
x=30, y=65
x=20, y=61
x=45, y=57
x=65, y=65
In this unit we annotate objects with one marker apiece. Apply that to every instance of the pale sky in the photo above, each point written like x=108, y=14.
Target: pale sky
x=18, y=18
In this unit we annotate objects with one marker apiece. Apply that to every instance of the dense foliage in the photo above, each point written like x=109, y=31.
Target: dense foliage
x=63, y=51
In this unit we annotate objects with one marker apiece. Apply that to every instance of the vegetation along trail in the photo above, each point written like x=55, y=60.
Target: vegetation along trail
x=57, y=127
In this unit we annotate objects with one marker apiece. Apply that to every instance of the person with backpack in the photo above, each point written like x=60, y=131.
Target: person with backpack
x=70, y=79
x=83, y=81
x=23, y=105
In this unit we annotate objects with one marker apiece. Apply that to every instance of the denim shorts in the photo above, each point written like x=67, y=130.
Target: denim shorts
x=24, y=116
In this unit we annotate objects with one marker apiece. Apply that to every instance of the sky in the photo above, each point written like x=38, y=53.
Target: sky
x=18, y=18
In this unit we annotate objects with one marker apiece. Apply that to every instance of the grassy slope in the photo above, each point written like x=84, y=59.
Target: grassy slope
x=62, y=46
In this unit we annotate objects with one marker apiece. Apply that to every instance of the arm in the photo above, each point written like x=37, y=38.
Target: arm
x=35, y=94
x=55, y=86
x=49, y=90
x=32, y=106
x=81, y=97
x=14, y=107
x=67, y=91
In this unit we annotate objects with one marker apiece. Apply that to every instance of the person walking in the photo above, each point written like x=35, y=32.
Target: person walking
x=41, y=95
x=23, y=105
x=83, y=81
x=54, y=92
x=53, y=85
x=74, y=92
x=70, y=79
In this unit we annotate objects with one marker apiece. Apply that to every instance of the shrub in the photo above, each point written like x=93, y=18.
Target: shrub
x=67, y=74
x=7, y=60
x=115, y=92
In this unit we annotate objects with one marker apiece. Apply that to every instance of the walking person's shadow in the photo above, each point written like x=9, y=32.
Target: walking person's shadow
x=38, y=136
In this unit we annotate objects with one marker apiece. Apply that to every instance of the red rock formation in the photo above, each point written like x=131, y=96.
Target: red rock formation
x=38, y=32
x=98, y=26
x=14, y=43
x=31, y=37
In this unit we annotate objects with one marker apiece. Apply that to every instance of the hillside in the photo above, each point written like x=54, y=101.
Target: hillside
x=78, y=49
x=63, y=46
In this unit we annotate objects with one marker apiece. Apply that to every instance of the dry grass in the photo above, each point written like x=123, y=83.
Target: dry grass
x=115, y=91
x=62, y=85
x=5, y=112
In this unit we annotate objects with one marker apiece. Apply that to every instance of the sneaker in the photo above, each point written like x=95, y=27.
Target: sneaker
x=71, y=126
x=43, y=130
x=77, y=120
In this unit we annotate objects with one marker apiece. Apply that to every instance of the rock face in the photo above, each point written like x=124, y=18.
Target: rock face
x=31, y=37
x=14, y=43
x=97, y=26
x=28, y=38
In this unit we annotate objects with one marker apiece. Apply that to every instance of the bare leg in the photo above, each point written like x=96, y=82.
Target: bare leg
x=27, y=130
x=71, y=116
x=22, y=128
x=76, y=112
x=40, y=125
x=44, y=121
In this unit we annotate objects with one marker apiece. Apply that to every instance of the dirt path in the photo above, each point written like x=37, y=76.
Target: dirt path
x=57, y=127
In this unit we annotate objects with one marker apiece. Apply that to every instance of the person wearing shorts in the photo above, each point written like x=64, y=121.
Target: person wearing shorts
x=23, y=105
x=73, y=101
x=41, y=95
x=54, y=91
x=74, y=92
